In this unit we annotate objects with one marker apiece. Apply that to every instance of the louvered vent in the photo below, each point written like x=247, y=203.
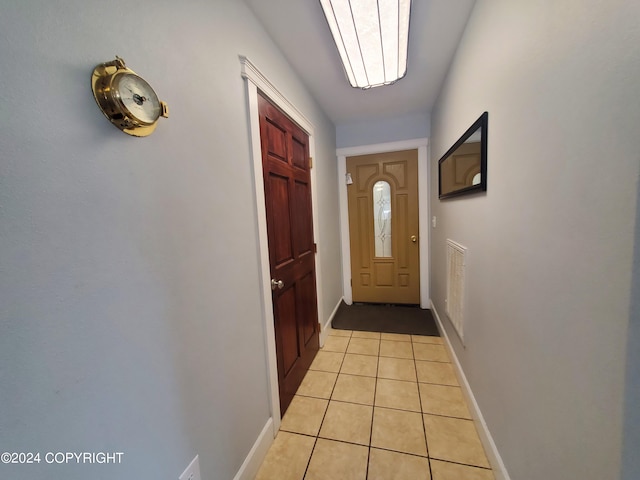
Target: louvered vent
x=456, y=254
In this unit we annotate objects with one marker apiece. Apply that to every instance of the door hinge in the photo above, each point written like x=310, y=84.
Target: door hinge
x=315, y=248
x=310, y=162
x=351, y=282
x=319, y=327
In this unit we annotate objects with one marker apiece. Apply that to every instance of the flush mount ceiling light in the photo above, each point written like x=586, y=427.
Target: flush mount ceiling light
x=372, y=38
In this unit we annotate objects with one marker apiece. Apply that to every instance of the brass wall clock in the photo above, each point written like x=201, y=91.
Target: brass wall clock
x=126, y=99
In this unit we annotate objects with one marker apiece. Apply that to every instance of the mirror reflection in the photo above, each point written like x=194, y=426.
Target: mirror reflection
x=463, y=168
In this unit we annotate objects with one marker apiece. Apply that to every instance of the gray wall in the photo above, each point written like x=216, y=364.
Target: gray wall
x=130, y=315
x=631, y=439
x=383, y=130
x=550, y=245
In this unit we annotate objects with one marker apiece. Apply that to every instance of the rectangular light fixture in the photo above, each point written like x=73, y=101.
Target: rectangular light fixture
x=372, y=37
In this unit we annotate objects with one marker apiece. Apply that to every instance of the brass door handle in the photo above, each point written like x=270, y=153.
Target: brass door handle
x=414, y=239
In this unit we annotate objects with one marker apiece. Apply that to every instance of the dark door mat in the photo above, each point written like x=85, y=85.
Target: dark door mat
x=385, y=318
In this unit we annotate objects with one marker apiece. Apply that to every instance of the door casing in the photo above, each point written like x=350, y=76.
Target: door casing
x=254, y=80
x=287, y=175
x=421, y=144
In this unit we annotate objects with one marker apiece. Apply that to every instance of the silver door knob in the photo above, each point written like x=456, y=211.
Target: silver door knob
x=276, y=284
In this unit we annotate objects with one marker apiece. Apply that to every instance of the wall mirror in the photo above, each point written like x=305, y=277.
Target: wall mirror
x=463, y=169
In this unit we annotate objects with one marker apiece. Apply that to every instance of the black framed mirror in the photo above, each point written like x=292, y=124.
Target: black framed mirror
x=463, y=169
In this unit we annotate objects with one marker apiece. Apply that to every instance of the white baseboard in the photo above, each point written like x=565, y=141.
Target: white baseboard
x=499, y=469
x=326, y=328
x=256, y=455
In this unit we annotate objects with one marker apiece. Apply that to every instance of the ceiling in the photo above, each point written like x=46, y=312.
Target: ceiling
x=300, y=30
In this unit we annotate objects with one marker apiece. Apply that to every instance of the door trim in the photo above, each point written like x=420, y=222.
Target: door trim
x=255, y=80
x=419, y=144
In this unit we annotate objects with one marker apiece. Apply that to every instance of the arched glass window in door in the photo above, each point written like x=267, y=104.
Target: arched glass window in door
x=382, y=218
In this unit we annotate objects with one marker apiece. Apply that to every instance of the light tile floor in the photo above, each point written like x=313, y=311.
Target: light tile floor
x=378, y=407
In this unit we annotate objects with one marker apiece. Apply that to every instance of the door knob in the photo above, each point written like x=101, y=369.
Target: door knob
x=414, y=239
x=277, y=284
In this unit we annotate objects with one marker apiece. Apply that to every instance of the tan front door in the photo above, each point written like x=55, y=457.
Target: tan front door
x=383, y=227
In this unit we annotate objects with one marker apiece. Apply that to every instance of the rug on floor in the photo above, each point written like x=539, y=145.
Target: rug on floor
x=385, y=318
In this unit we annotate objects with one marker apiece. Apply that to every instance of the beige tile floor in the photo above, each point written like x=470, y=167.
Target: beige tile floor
x=378, y=407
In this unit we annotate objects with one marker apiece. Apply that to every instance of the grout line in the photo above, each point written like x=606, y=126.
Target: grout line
x=396, y=357
x=297, y=433
x=325, y=414
x=434, y=361
x=312, y=396
x=447, y=416
x=351, y=403
x=356, y=375
x=424, y=428
x=361, y=354
x=337, y=440
x=396, y=380
x=386, y=449
x=309, y=461
x=489, y=469
x=383, y=448
x=437, y=384
x=373, y=413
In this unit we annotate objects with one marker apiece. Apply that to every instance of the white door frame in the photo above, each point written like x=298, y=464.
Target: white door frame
x=255, y=80
x=419, y=144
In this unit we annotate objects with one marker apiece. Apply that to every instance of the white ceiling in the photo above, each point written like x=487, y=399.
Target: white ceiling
x=299, y=28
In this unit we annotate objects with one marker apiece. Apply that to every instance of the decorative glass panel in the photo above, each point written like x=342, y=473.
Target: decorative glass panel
x=382, y=218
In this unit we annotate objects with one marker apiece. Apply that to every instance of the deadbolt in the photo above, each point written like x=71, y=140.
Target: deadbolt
x=276, y=284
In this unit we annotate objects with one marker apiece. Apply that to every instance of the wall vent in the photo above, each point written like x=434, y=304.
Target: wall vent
x=456, y=259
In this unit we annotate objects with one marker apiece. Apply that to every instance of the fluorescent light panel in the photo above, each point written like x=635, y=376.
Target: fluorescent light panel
x=372, y=37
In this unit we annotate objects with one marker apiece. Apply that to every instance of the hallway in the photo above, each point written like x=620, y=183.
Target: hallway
x=378, y=407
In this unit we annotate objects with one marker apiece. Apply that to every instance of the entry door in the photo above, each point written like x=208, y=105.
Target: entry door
x=383, y=227
x=287, y=188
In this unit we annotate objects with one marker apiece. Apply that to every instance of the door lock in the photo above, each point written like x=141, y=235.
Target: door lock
x=276, y=284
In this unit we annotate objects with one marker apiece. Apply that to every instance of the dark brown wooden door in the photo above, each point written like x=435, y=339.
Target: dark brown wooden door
x=287, y=188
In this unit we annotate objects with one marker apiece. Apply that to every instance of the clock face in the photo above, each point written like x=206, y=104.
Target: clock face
x=137, y=97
